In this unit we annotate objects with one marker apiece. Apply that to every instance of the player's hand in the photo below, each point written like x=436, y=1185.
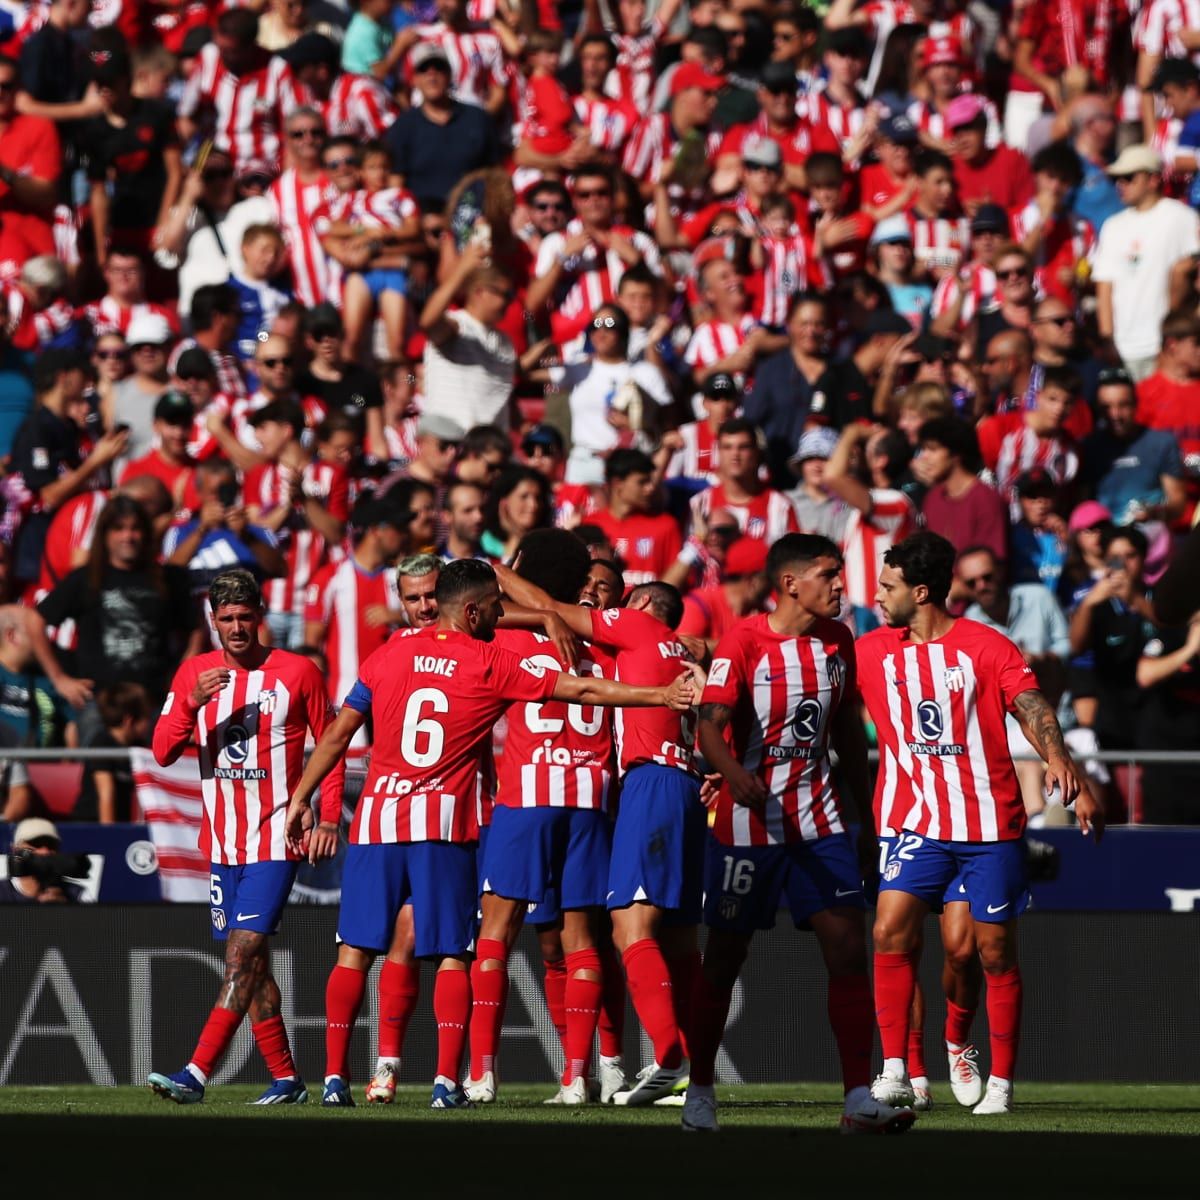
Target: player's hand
x=208, y=684
x=322, y=841
x=1089, y=812
x=697, y=647
x=299, y=825
x=710, y=789
x=559, y=633
x=377, y=614
x=747, y=790
x=76, y=692
x=1061, y=775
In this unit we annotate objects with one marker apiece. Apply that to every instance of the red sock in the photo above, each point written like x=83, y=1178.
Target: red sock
x=399, y=990
x=215, y=1037
x=683, y=971
x=848, y=1002
x=958, y=1023
x=343, y=998
x=582, y=1010
x=612, y=1004
x=451, y=1010
x=895, y=982
x=272, y=1041
x=487, y=1007
x=650, y=988
x=709, y=1012
x=1004, y=1020
x=916, y=1054
x=554, y=984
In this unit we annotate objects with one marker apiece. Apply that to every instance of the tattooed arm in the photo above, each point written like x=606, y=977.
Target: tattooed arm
x=747, y=789
x=1042, y=730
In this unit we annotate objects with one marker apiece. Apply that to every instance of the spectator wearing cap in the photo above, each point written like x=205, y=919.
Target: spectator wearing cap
x=958, y=297
x=1093, y=133
x=30, y=165
x=37, y=835
x=435, y=143
x=817, y=509
x=304, y=502
x=1029, y=616
x=1085, y=557
x=646, y=541
x=983, y=174
x=168, y=459
x=437, y=441
x=1037, y=544
x=54, y=455
x=710, y=612
x=1135, y=472
x=475, y=54
x=958, y=504
x=134, y=165
x=887, y=185
x=795, y=385
x=943, y=70
x=470, y=363
x=544, y=450
x=891, y=248
x=149, y=338
x=1170, y=398
x=694, y=444
x=781, y=123
x=1144, y=260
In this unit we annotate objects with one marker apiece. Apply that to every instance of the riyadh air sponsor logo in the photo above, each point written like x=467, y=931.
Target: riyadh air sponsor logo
x=807, y=721
x=931, y=724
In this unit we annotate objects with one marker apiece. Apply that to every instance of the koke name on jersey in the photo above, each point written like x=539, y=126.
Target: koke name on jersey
x=427, y=664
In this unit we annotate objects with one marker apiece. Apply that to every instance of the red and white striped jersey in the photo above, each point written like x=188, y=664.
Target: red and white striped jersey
x=653, y=142
x=251, y=736
x=556, y=755
x=297, y=206
x=244, y=113
x=648, y=655
x=574, y=503
x=402, y=440
x=476, y=61
x=388, y=208
x=795, y=144
x=823, y=113
x=698, y=458
x=1158, y=26
x=1067, y=241
x=883, y=16
x=27, y=328
x=765, y=518
x=201, y=443
x=358, y=107
x=635, y=71
x=230, y=379
x=106, y=315
x=928, y=120
x=790, y=265
x=1022, y=450
x=868, y=538
x=609, y=123
x=976, y=282
x=784, y=692
x=435, y=697
x=589, y=279
x=268, y=486
x=714, y=340
x=939, y=243
x=938, y=709
x=338, y=598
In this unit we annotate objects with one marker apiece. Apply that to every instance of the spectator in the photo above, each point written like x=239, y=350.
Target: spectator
x=168, y=459
x=818, y=509
x=1037, y=548
x=135, y=617
x=518, y=501
x=983, y=174
x=1144, y=260
x=895, y=266
x=647, y=542
x=485, y=452
x=106, y=793
x=694, y=444
x=336, y=384
x=1055, y=332
x=1007, y=369
x=1093, y=132
x=1169, y=399
x=32, y=713
x=940, y=234
x=214, y=327
x=958, y=504
x=437, y=443
x=1013, y=301
x=37, y=836
x=709, y=613
x=259, y=302
x=54, y=70
x=464, y=517
x=148, y=338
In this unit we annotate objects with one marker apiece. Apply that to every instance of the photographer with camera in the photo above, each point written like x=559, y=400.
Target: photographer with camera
x=37, y=871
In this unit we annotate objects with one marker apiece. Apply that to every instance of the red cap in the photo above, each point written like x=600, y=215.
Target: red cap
x=747, y=556
x=690, y=75
x=940, y=50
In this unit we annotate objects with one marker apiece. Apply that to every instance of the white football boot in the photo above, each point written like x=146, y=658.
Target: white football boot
x=965, y=1080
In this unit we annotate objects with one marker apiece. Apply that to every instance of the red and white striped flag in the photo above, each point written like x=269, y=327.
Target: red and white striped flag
x=173, y=806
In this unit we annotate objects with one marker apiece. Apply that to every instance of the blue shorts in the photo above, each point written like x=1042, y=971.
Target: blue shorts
x=658, y=843
x=385, y=280
x=436, y=878
x=546, y=911
x=955, y=889
x=250, y=897
x=743, y=885
x=532, y=850
x=480, y=858
x=990, y=876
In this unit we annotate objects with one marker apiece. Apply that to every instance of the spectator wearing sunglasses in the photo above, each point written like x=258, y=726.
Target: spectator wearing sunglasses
x=1055, y=333
x=549, y=205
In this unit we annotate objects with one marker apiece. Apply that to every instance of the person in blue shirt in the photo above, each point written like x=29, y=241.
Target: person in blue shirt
x=258, y=300
x=1177, y=81
x=1093, y=131
x=1038, y=548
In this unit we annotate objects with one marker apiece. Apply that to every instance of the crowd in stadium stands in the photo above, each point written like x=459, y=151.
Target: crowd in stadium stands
x=313, y=288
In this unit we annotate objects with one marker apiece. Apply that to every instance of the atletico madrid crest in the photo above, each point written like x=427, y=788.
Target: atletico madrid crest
x=955, y=680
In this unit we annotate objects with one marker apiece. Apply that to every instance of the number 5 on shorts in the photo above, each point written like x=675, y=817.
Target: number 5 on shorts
x=215, y=895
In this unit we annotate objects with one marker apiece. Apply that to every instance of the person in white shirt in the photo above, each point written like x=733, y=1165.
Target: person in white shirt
x=1143, y=260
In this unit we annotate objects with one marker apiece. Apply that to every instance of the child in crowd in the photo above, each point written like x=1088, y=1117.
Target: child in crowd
x=259, y=301
x=107, y=792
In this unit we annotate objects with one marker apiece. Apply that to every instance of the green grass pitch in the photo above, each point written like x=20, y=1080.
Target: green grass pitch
x=781, y=1139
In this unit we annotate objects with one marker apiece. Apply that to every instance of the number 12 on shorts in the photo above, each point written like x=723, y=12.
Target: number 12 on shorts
x=739, y=875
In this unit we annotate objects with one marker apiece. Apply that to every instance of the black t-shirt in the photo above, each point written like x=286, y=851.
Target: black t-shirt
x=52, y=66
x=11, y=894
x=130, y=159
x=87, y=807
x=852, y=398
x=432, y=157
x=131, y=629
x=1119, y=635
x=353, y=394
x=1170, y=718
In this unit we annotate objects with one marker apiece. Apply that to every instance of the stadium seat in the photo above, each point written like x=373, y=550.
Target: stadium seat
x=58, y=784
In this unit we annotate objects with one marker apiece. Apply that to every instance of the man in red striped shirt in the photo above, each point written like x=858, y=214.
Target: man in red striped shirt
x=780, y=691
x=435, y=697
x=938, y=690
x=249, y=708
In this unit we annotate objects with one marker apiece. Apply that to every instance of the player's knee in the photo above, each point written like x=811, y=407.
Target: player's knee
x=894, y=936
x=961, y=955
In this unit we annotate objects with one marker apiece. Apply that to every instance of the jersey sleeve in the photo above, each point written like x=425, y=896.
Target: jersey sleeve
x=623, y=628
x=176, y=723
x=726, y=675
x=696, y=617
x=1013, y=674
x=516, y=678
